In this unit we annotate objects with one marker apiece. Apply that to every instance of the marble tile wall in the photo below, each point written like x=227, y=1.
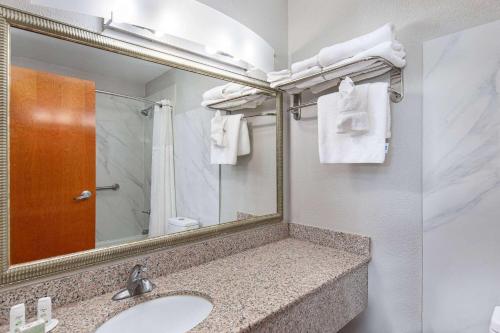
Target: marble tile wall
x=120, y=147
x=461, y=155
x=196, y=180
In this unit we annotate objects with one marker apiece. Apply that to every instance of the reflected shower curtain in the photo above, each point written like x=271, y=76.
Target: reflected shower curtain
x=162, y=171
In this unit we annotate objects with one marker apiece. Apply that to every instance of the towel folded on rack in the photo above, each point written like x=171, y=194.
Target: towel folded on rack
x=256, y=73
x=351, y=103
x=278, y=75
x=306, y=72
x=337, y=52
x=214, y=93
x=305, y=64
x=236, y=139
x=345, y=148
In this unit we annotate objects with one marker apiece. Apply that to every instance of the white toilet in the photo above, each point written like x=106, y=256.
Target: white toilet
x=495, y=321
x=179, y=223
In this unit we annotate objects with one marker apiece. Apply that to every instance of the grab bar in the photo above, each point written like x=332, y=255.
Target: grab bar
x=114, y=187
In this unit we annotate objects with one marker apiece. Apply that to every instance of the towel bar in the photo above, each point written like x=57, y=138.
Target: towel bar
x=114, y=187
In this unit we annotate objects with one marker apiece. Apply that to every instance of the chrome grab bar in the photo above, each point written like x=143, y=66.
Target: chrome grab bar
x=114, y=187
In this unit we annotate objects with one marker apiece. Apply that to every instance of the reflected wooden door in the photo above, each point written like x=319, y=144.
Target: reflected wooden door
x=52, y=160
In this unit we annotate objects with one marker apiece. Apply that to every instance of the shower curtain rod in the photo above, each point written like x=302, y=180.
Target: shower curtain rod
x=141, y=99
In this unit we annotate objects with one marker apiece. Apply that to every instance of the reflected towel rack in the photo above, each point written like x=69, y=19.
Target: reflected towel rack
x=214, y=106
x=262, y=114
x=377, y=66
x=114, y=187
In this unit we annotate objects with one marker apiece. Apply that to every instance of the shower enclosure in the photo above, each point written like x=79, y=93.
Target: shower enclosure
x=123, y=140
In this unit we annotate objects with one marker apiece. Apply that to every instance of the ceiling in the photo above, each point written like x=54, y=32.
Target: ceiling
x=83, y=58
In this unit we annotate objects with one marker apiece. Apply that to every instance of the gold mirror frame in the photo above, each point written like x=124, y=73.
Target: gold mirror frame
x=21, y=272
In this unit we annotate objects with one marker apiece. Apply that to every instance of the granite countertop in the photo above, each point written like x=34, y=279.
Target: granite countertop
x=244, y=288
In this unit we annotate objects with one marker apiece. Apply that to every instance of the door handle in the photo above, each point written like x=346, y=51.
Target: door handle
x=83, y=196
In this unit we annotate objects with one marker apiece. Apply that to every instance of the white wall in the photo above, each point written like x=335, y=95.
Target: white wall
x=383, y=202
x=267, y=18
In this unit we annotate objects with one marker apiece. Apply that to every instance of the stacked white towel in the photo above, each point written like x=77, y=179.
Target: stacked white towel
x=381, y=43
x=304, y=65
x=256, y=73
x=348, y=148
x=278, y=75
x=235, y=139
x=225, y=96
x=337, y=52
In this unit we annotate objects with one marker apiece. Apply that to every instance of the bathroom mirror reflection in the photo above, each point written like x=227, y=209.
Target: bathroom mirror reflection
x=106, y=149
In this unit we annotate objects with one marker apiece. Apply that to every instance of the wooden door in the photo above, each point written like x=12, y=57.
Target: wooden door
x=52, y=160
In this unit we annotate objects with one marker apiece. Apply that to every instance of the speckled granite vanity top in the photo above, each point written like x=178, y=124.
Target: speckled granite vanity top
x=245, y=288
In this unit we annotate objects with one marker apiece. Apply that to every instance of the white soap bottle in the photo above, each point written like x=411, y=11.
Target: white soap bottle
x=17, y=317
x=44, y=309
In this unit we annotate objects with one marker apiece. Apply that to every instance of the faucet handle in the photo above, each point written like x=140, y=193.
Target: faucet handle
x=136, y=272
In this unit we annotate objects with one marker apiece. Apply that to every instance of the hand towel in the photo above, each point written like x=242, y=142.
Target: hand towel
x=351, y=104
x=278, y=75
x=366, y=148
x=305, y=64
x=244, y=139
x=332, y=54
x=217, y=129
x=229, y=153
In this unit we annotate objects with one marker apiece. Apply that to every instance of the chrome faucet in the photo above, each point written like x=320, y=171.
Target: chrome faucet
x=136, y=284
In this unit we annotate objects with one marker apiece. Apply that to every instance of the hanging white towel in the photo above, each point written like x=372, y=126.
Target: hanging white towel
x=244, y=139
x=229, y=153
x=353, y=116
x=162, y=170
x=217, y=129
x=337, y=52
x=342, y=148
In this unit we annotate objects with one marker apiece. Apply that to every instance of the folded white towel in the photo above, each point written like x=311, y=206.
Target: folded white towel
x=366, y=148
x=305, y=64
x=229, y=153
x=332, y=54
x=244, y=139
x=217, y=129
x=392, y=51
x=306, y=72
x=256, y=73
x=214, y=93
x=353, y=116
x=278, y=75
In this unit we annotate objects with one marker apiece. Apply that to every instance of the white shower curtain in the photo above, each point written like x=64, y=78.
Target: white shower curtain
x=162, y=171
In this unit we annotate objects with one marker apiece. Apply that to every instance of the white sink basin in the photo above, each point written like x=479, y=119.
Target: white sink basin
x=172, y=314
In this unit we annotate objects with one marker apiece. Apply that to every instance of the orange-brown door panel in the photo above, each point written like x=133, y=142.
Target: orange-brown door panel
x=52, y=160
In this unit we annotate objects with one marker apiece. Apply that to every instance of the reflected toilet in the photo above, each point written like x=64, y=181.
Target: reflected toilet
x=180, y=223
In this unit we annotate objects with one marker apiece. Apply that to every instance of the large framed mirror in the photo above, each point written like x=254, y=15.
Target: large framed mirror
x=110, y=149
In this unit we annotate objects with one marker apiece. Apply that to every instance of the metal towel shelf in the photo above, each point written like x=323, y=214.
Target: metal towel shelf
x=214, y=106
x=378, y=66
